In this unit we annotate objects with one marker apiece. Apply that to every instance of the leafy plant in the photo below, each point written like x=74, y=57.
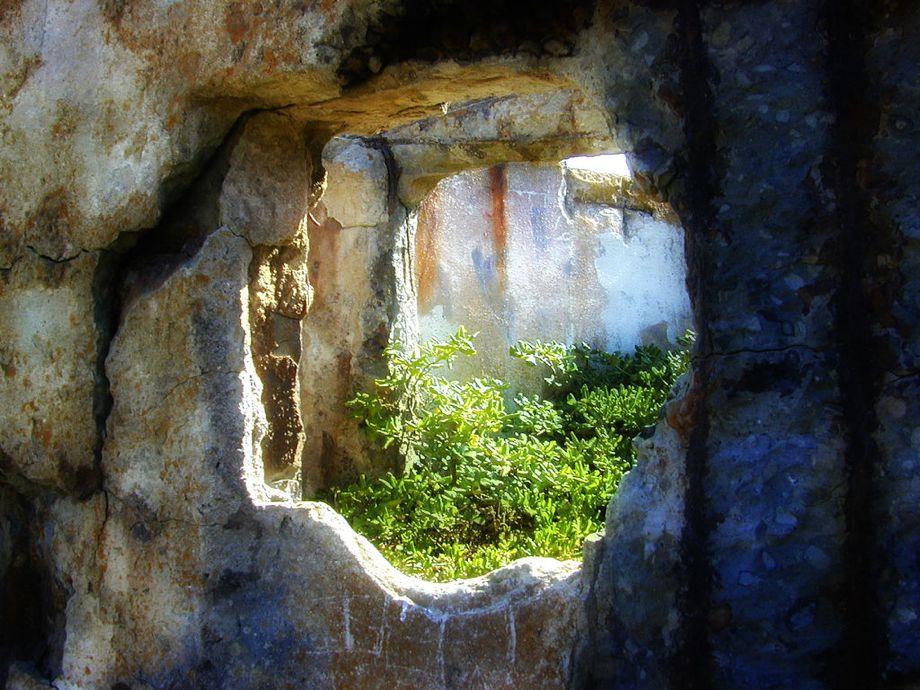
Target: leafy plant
x=485, y=482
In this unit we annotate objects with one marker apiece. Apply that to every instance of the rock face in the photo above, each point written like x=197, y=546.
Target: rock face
x=190, y=285
x=50, y=353
x=188, y=576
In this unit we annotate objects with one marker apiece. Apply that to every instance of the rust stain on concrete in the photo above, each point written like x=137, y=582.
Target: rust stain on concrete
x=681, y=414
x=322, y=255
x=498, y=187
x=426, y=252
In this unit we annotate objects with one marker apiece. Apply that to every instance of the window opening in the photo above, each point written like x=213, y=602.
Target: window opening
x=516, y=450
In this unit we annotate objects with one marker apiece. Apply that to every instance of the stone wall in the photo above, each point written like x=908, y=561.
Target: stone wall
x=159, y=166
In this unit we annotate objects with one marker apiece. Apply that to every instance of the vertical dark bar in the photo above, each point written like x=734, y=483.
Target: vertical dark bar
x=691, y=666
x=850, y=99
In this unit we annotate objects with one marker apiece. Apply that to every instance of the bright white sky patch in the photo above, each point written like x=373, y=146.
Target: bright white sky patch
x=609, y=163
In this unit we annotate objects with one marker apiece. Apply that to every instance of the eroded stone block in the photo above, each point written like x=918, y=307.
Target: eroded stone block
x=265, y=193
x=356, y=193
x=185, y=428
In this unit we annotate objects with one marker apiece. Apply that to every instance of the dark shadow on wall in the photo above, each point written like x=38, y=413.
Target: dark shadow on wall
x=462, y=30
x=31, y=616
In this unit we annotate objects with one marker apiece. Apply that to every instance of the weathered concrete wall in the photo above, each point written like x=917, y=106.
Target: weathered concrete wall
x=768, y=536
x=512, y=254
x=890, y=259
x=778, y=579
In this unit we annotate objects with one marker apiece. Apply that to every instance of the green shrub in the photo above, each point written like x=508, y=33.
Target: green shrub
x=485, y=482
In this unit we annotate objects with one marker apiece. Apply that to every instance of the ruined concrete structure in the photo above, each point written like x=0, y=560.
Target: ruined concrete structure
x=172, y=276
